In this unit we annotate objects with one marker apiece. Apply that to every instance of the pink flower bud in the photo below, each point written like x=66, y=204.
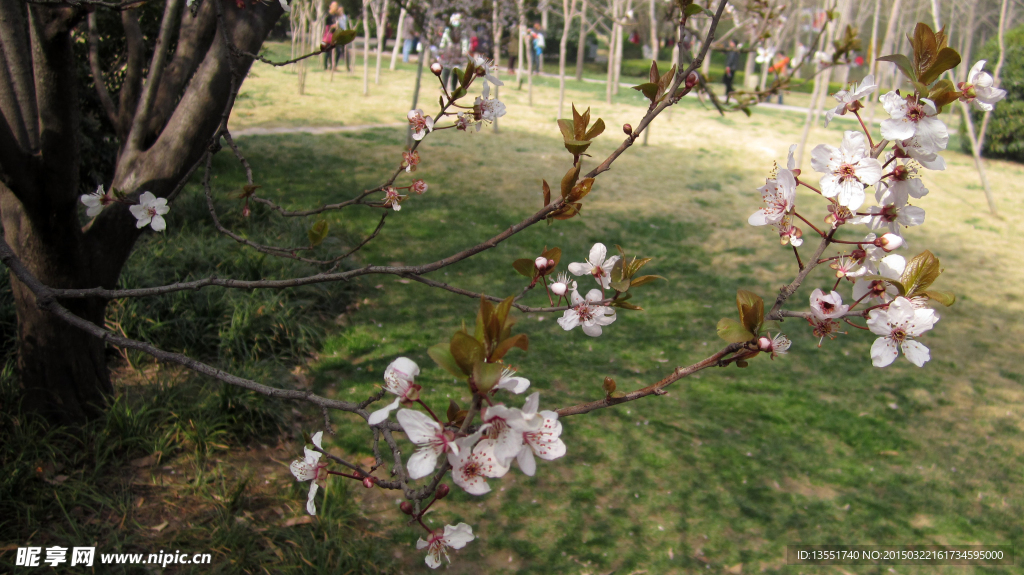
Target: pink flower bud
x=627, y=129
x=246, y=211
x=541, y=263
x=436, y=68
x=889, y=242
x=419, y=186
x=691, y=80
x=368, y=482
x=442, y=491
x=764, y=344
x=406, y=508
x=559, y=288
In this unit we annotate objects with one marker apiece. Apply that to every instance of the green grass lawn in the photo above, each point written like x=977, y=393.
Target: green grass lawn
x=730, y=466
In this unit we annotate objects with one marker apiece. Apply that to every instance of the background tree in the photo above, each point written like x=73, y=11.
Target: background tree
x=172, y=94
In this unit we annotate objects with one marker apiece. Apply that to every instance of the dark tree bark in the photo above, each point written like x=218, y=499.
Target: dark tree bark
x=165, y=122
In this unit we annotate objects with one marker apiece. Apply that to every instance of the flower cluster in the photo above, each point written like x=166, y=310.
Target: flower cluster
x=897, y=291
x=148, y=211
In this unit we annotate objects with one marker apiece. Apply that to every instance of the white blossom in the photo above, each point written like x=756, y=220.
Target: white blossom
x=898, y=326
x=979, y=89
x=421, y=125
x=489, y=70
x=598, y=265
x=890, y=267
x=587, y=313
x=541, y=435
x=562, y=285
x=778, y=345
x=399, y=379
x=846, y=98
x=96, y=201
x=437, y=546
x=511, y=382
x=779, y=195
x=432, y=438
x=913, y=119
x=310, y=469
x=827, y=306
x=149, y=212
x=847, y=169
x=472, y=465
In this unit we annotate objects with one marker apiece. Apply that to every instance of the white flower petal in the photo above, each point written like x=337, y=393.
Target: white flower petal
x=916, y=352
x=527, y=464
x=381, y=414
x=883, y=352
x=419, y=427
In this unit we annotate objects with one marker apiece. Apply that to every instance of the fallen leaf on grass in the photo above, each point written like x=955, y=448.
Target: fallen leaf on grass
x=161, y=527
x=301, y=520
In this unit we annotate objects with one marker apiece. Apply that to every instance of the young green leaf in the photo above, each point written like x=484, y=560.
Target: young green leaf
x=920, y=273
x=442, y=356
x=946, y=298
x=644, y=280
x=519, y=340
x=466, y=351
x=946, y=59
x=903, y=63
x=751, y=308
x=318, y=233
x=487, y=375
x=733, y=331
x=525, y=267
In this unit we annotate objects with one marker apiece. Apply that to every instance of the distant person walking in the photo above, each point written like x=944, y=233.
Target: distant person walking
x=411, y=35
x=538, y=47
x=779, y=68
x=732, y=59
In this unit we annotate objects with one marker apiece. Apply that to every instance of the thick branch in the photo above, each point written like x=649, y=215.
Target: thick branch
x=168, y=33
x=97, y=72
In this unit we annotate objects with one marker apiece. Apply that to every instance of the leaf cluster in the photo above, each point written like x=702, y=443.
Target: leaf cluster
x=656, y=89
x=920, y=273
x=576, y=134
x=476, y=357
x=751, y=308
x=931, y=57
x=528, y=267
x=573, y=190
x=624, y=277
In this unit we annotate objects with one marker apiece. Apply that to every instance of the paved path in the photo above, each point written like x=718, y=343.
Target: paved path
x=317, y=130
x=311, y=129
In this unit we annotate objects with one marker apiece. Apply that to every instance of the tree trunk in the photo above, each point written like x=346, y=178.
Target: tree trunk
x=382, y=24
x=170, y=120
x=568, y=9
x=398, y=39
x=581, y=47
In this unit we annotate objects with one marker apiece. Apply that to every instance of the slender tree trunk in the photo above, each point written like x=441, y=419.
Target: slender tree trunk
x=568, y=10
x=398, y=39
x=382, y=23
x=581, y=48
x=611, y=61
x=366, y=47
x=496, y=35
x=749, y=78
x=520, y=9
x=618, y=50
x=654, y=30
x=705, y=66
